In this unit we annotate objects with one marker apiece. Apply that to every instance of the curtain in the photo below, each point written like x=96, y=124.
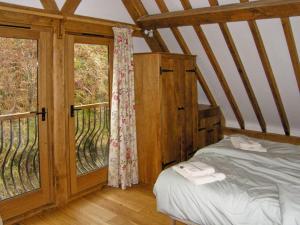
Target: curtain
x=123, y=167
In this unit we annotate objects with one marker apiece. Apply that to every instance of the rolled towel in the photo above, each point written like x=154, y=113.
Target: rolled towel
x=193, y=169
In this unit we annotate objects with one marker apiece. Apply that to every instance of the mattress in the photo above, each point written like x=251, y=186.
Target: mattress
x=260, y=188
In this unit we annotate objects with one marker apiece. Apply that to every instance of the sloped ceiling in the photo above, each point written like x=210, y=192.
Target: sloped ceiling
x=273, y=38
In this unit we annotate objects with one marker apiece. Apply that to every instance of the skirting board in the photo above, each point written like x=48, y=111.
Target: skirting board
x=267, y=136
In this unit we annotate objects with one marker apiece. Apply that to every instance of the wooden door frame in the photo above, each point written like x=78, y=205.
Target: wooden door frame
x=10, y=208
x=78, y=185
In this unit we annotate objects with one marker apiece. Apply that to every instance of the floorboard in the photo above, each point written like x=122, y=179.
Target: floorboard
x=110, y=206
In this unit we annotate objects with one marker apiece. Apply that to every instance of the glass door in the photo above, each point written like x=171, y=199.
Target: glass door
x=25, y=182
x=89, y=93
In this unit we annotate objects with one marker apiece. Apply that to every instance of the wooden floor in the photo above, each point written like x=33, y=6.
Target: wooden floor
x=135, y=206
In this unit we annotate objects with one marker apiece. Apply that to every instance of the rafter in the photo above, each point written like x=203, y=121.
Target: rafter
x=225, y=13
x=136, y=10
x=50, y=5
x=184, y=47
x=70, y=7
x=214, y=62
x=269, y=74
x=286, y=24
x=241, y=70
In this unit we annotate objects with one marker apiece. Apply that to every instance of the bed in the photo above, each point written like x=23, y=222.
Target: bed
x=260, y=188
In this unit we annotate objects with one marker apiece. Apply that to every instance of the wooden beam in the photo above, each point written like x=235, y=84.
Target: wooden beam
x=287, y=28
x=269, y=74
x=136, y=10
x=266, y=136
x=241, y=70
x=221, y=14
x=185, y=49
x=213, y=60
x=50, y=5
x=70, y=7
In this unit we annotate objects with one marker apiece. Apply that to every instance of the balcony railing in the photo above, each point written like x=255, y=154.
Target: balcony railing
x=19, y=154
x=91, y=136
x=19, y=147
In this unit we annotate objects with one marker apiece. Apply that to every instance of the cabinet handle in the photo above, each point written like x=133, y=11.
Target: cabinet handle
x=180, y=108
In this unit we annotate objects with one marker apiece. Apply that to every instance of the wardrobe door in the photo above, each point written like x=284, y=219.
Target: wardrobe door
x=170, y=131
x=190, y=105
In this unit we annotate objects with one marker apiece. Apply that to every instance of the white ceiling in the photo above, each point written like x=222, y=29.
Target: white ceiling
x=276, y=47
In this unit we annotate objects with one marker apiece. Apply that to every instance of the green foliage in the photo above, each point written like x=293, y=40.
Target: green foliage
x=91, y=74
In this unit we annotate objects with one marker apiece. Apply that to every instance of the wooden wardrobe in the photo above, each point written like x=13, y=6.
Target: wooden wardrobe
x=166, y=111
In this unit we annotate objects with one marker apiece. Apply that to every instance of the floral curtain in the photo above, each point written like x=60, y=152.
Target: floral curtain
x=123, y=167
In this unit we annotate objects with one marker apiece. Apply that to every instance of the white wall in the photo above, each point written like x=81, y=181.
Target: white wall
x=276, y=47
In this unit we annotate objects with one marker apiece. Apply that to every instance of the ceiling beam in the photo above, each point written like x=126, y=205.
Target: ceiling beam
x=50, y=5
x=70, y=7
x=217, y=68
x=185, y=49
x=287, y=28
x=136, y=10
x=269, y=74
x=241, y=70
x=220, y=14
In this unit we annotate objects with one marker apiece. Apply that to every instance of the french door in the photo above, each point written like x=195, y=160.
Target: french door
x=25, y=174
x=88, y=69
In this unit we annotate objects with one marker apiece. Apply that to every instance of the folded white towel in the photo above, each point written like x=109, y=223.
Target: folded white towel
x=193, y=169
x=248, y=145
x=198, y=180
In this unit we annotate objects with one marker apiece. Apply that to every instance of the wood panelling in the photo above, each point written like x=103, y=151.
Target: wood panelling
x=221, y=14
x=287, y=28
x=241, y=70
x=137, y=10
x=214, y=62
x=269, y=74
x=267, y=136
x=70, y=6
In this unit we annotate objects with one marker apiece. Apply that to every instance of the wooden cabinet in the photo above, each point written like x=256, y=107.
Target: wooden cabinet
x=209, y=130
x=166, y=111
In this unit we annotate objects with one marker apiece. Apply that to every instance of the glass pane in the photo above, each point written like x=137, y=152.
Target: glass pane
x=19, y=151
x=91, y=74
x=91, y=77
x=18, y=75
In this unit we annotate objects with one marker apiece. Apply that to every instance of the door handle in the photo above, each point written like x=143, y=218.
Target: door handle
x=43, y=113
x=72, y=110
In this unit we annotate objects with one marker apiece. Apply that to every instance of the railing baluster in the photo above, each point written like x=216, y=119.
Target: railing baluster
x=28, y=155
x=14, y=155
x=5, y=160
x=93, y=146
x=81, y=167
x=89, y=139
x=22, y=155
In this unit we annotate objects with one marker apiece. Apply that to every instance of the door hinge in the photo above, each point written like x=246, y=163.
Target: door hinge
x=162, y=70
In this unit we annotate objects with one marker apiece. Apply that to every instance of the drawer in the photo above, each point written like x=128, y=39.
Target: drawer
x=212, y=121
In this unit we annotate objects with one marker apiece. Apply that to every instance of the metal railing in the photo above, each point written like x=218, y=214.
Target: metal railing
x=92, y=136
x=19, y=154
